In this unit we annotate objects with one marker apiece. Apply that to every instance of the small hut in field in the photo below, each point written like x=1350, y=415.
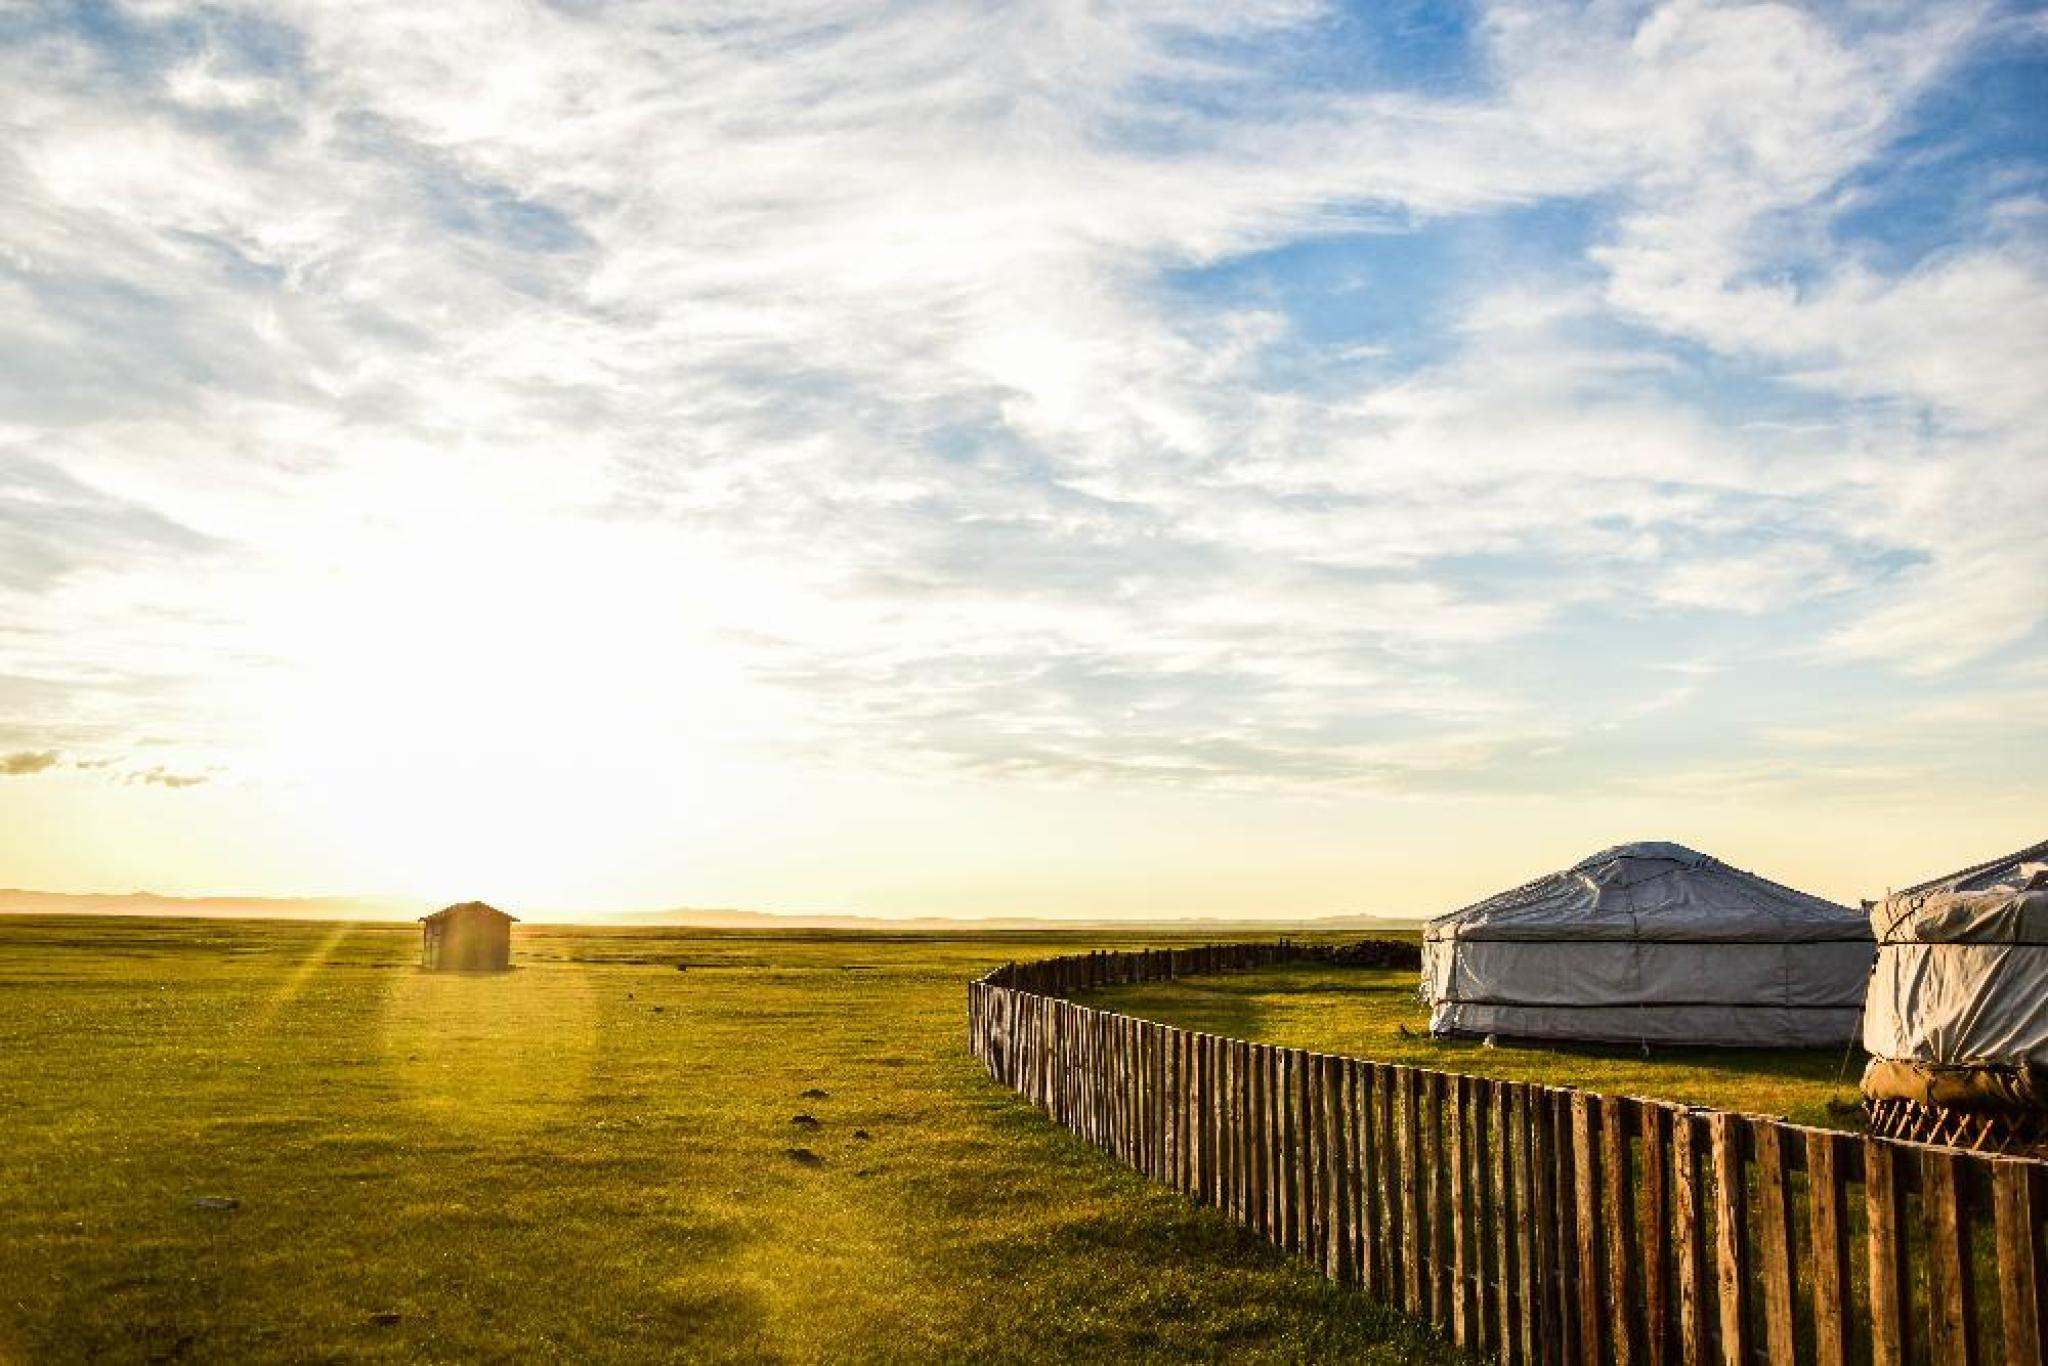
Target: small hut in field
x=466, y=937
x=1957, y=1022
x=1649, y=943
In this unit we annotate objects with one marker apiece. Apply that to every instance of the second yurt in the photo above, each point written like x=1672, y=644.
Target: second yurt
x=1957, y=1021
x=1650, y=943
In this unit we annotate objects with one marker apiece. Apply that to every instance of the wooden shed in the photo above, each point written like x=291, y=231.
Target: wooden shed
x=466, y=937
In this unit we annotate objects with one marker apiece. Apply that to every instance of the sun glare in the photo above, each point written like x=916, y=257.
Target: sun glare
x=508, y=715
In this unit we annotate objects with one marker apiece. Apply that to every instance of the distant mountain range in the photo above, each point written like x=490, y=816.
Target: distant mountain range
x=18, y=902
x=744, y=920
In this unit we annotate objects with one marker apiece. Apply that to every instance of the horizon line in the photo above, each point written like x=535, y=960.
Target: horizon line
x=401, y=910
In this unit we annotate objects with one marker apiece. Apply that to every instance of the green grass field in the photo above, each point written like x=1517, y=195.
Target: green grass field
x=589, y=1158
x=1374, y=1014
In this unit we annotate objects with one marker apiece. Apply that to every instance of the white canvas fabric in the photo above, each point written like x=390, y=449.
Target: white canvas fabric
x=1962, y=967
x=1654, y=943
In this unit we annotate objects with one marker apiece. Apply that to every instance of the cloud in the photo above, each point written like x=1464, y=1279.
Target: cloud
x=883, y=379
x=161, y=777
x=23, y=763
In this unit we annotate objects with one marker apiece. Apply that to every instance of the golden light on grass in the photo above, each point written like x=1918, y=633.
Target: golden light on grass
x=295, y=981
x=483, y=1054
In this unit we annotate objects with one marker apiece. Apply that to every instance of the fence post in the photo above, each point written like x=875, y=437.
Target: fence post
x=1653, y=1213
x=1689, y=1236
x=1205, y=1117
x=1289, y=1154
x=1414, y=1236
x=1586, y=1188
x=1393, y=1204
x=1774, y=1216
x=1890, y=1290
x=1827, y=1212
x=1233, y=1129
x=2016, y=1214
x=1240, y=1132
x=1483, y=1197
x=1185, y=1138
x=1508, y=1214
x=1564, y=1228
x=1951, y=1309
x=1432, y=1151
x=1731, y=1242
x=1162, y=1104
x=1546, y=1334
x=1336, y=1262
x=1254, y=1093
x=1309, y=1154
x=1355, y=1157
x=1460, y=1306
x=1619, y=1212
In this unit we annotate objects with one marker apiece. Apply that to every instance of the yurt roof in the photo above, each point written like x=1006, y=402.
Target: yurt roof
x=1652, y=890
x=2004, y=901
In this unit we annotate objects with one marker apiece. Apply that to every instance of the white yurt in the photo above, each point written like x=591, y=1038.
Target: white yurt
x=1957, y=1021
x=1649, y=943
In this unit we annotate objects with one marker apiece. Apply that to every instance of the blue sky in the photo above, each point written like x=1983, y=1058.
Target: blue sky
x=1019, y=455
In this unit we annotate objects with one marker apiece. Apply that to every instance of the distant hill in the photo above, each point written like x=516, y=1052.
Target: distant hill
x=742, y=920
x=19, y=902
x=14, y=901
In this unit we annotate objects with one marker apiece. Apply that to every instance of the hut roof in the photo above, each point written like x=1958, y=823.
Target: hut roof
x=468, y=908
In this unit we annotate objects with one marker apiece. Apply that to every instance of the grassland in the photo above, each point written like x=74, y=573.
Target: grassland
x=1371, y=1013
x=588, y=1159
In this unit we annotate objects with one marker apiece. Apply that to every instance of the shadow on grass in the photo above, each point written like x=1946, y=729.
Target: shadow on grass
x=1811, y=1064
x=1123, y=1268
x=1237, y=1006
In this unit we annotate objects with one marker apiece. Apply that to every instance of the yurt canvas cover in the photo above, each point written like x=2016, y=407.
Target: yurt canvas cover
x=1649, y=942
x=1958, y=1010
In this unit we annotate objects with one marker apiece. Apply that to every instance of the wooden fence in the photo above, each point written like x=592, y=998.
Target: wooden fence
x=1539, y=1223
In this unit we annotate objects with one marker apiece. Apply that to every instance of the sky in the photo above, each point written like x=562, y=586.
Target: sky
x=1154, y=459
